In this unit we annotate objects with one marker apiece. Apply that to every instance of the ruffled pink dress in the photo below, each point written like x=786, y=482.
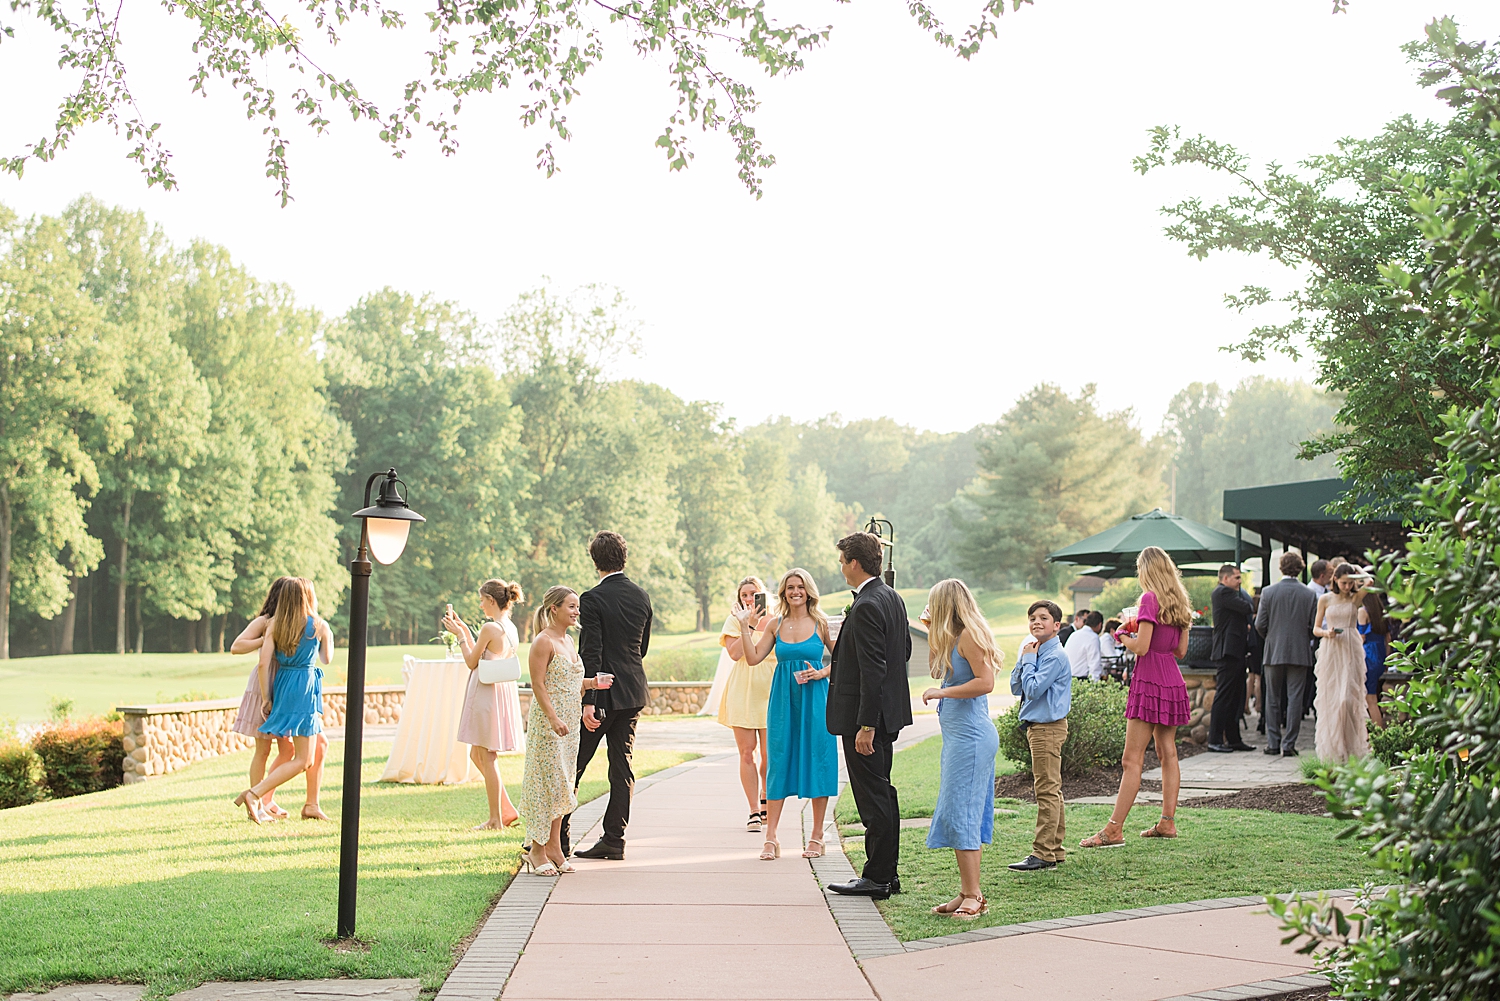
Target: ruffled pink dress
x=252, y=708
x=491, y=714
x=1157, y=694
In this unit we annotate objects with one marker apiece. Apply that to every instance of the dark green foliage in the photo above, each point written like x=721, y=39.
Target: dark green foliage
x=21, y=776
x=80, y=756
x=1391, y=742
x=1096, y=728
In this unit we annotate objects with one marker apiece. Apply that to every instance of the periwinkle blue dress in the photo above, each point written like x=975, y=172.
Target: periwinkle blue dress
x=964, y=817
x=802, y=757
x=297, y=691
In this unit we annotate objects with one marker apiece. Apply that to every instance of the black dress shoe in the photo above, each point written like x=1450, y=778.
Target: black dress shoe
x=1290, y=752
x=1272, y=750
x=1032, y=864
x=1241, y=747
x=1221, y=748
x=862, y=887
x=895, y=886
x=602, y=851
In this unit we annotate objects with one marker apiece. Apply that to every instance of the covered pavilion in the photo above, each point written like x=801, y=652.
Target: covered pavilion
x=1294, y=515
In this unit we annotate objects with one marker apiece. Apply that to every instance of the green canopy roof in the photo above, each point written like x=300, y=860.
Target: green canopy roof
x=1185, y=541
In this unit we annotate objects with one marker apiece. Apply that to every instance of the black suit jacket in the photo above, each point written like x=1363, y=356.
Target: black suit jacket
x=1232, y=611
x=868, y=684
x=615, y=620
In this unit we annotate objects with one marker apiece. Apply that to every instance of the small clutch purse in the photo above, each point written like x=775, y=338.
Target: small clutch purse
x=492, y=672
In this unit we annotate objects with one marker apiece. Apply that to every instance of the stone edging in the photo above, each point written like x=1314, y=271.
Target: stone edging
x=1260, y=989
x=860, y=921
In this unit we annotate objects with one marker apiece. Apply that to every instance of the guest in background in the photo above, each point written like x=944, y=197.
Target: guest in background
x=252, y=710
x=1069, y=628
x=1340, y=669
x=1044, y=680
x=1085, y=655
x=1285, y=620
x=747, y=692
x=1321, y=574
x=1232, y=610
x=1158, y=702
x=490, y=716
x=1255, y=648
x=962, y=654
x=1377, y=644
x=802, y=754
x=294, y=704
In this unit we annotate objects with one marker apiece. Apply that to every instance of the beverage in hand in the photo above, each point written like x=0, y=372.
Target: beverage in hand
x=603, y=681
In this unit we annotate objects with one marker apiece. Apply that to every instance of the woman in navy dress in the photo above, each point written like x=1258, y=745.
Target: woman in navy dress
x=962, y=654
x=293, y=704
x=802, y=756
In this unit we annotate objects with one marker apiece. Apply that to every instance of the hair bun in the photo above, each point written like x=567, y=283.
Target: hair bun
x=516, y=594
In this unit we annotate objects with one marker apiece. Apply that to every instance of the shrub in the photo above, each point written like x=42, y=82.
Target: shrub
x=1096, y=728
x=21, y=776
x=1117, y=594
x=80, y=757
x=1394, y=741
x=682, y=665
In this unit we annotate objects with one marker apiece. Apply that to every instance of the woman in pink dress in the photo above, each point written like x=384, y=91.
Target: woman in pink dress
x=1158, y=702
x=487, y=719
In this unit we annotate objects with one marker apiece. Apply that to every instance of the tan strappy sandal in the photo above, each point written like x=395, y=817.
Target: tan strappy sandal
x=810, y=852
x=771, y=851
x=1155, y=831
x=965, y=913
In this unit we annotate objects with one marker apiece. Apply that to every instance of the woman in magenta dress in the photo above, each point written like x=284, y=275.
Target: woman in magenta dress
x=1158, y=702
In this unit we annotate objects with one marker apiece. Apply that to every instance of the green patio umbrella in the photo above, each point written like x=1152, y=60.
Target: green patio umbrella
x=1115, y=549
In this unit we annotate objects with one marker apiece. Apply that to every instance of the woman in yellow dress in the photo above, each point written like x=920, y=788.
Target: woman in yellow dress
x=742, y=707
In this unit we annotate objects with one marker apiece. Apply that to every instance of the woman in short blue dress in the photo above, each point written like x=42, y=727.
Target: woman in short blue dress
x=802, y=756
x=962, y=653
x=294, y=706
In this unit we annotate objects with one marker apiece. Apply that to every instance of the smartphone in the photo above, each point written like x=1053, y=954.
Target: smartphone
x=760, y=602
x=450, y=609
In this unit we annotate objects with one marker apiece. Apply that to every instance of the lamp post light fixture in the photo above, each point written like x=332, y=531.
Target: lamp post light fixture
x=886, y=533
x=384, y=527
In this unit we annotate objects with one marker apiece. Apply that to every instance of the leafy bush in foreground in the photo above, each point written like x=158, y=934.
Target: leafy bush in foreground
x=22, y=780
x=1096, y=728
x=80, y=756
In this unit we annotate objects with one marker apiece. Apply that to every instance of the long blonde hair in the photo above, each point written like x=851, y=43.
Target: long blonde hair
x=783, y=606
x=1158, y=574
x=547, y=610
x=953, y=609
x=760, y=585
x=294, y=606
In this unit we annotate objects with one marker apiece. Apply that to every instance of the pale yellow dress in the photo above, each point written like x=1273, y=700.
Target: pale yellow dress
x=552, y=761
x=748, y=690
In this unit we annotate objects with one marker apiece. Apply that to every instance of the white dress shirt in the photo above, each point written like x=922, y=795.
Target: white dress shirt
x=1084, y=655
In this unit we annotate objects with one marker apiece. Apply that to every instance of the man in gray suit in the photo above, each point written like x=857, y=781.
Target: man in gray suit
x=1285, y=619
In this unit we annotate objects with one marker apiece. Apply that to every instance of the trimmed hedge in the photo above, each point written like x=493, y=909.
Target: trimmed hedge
x=1096, y=728
x=22, y=780
x=81, y=756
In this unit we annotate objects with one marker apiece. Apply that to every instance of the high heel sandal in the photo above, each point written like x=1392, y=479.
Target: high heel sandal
x=274, y=812
x=809, y=853
x=771, y=851
x=545, y=869
x=753, y=823
x=252, y=811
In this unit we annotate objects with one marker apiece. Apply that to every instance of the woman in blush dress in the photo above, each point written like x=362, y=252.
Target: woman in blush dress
x=1340, y=668
x=962, y=654
x=802, y=755
x=747, y=692
x=1158, y=702
x=252, y=710
x=491, y=713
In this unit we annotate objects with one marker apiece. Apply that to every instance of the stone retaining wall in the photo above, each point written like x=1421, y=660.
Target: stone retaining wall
x=164, y=737
x=680, y=697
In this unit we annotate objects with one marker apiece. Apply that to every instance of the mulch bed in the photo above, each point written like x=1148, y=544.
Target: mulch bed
x=1290, y=797
x=1101, y=781
x=1311, y=994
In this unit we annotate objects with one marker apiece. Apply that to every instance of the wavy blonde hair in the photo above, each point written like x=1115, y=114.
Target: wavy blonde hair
x=953, y=609
x=546, y=611
x=783, y=606
x=1158, y=574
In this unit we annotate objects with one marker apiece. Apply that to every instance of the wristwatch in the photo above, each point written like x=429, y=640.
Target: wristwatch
x=867, y=729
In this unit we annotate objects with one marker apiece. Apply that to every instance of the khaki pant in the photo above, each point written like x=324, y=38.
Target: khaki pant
x=1046, y=741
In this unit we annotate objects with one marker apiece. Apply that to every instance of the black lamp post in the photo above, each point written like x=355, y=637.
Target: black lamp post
x=886, y=533
x=383, y=530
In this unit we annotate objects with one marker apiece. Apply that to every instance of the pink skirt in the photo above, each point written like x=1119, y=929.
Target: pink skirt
x=1157, y=694
x=252, y=708
x=491, y=716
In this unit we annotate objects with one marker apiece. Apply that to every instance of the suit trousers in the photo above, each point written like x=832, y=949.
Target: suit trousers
x=618, y=729
x=1285, y=701
x=1229, y=702
x=1046, y=741
x=879, y=809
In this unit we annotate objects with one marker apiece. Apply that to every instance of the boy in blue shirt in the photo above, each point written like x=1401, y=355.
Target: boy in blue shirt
x=1043, y=677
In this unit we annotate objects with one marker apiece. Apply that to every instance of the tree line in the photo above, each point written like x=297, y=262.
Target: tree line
x=175, y=433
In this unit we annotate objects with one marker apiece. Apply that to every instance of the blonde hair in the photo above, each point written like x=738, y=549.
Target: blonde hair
x=502, y=594
x=783, y=606
x=294, y=606
x=1158, y=574
x=954, y=610
x=547, y=610
x=760, y=585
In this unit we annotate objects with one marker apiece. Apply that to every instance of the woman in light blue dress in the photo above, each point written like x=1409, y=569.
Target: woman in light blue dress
x=962, y=654
x=802, y=756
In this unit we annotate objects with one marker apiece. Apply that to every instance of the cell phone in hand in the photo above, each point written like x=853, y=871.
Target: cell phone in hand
x=760, y=602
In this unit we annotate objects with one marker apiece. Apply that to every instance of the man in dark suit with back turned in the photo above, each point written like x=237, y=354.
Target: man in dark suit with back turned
x=1232, y=613
x=869, y=702
x=615, y=632
x=1285, y=619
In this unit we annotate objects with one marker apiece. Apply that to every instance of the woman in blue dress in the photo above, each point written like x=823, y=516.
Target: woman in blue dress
x=293, y=703
x=962, y=653
x=802, y=756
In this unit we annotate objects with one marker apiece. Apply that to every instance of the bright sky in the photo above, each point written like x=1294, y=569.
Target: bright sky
x=964, y=230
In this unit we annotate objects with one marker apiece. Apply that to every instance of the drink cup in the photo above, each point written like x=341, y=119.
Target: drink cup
x=603, y=681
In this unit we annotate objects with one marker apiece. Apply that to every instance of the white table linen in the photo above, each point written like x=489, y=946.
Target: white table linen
x=427, y=750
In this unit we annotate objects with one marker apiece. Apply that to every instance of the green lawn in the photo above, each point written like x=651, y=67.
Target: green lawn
x=1220, y=853
x=166, y=883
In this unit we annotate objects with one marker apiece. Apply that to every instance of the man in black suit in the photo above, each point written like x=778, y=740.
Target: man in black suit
x=1232, y=612
x=615, y=632
x=869, y=702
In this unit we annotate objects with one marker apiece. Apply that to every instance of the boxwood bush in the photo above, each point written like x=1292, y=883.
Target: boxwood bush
x=22, y=780
x=80, y=756
x=1096, y=728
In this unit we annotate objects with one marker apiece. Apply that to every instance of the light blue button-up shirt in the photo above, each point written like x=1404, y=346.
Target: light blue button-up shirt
x=1044, y=680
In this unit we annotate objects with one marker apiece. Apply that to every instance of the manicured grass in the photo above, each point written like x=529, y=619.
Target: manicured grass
x=914, y=773
x=166, y=883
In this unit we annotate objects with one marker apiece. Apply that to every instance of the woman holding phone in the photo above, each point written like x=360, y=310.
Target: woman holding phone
x=1340, y=668
x=802, y=755
x=747, y=692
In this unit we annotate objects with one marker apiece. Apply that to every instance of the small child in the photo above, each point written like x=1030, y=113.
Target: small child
x=1043, y=678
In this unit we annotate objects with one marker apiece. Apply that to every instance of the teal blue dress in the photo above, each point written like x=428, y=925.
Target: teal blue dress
x=964, y=817
x=802, y=757
x=297, y=690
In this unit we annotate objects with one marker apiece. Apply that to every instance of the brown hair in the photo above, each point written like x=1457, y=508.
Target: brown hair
x=273, y=594
x=1158, y=574
x=607, y=549
x=862, y=548
x=547, y=610
x=294, y=606
x=1345, y=571
x=1291, y=564
x=1050, y=606
x=501, y=593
